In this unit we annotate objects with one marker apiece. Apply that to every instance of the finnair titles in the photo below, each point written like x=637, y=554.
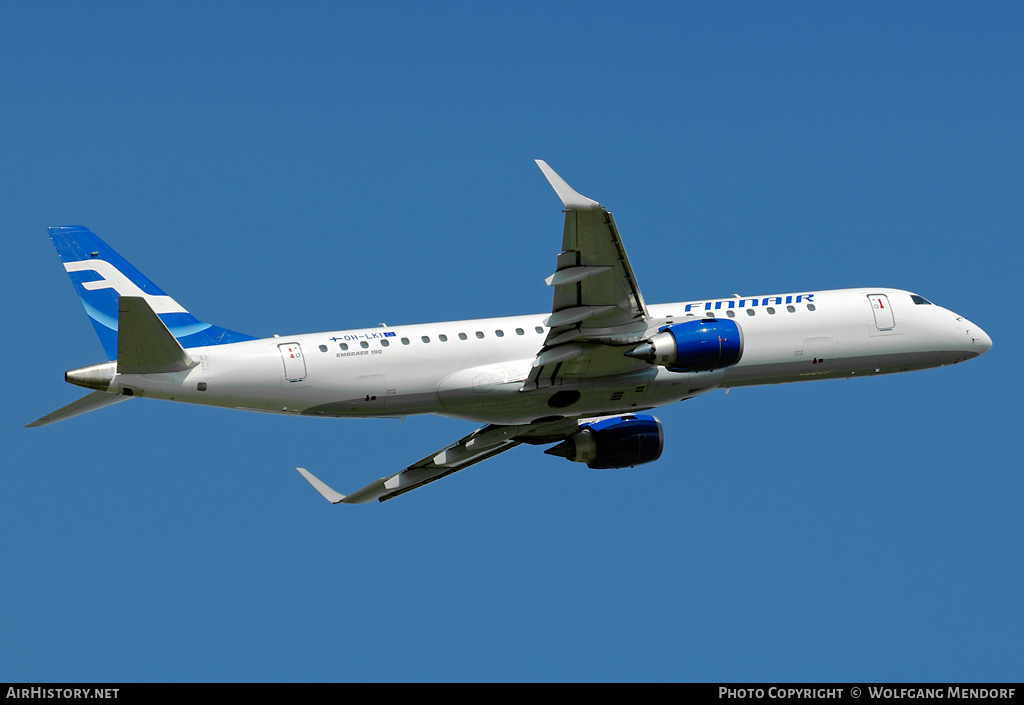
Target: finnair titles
x=737, y=302
x=575, y=379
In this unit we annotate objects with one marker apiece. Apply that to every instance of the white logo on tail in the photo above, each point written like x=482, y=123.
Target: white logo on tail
x=113, y=279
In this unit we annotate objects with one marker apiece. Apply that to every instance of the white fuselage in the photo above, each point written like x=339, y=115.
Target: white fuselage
x=475, y=369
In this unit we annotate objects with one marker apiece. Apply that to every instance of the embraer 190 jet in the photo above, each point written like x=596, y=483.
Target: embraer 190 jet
x=575, y=379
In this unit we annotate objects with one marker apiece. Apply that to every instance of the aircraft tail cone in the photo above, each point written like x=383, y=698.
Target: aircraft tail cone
x=93, y=377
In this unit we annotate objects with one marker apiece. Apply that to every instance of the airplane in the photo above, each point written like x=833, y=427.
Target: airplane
x=576, y=378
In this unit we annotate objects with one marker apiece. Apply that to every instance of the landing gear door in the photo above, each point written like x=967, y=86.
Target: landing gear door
x=883, y=314
x=294, y=363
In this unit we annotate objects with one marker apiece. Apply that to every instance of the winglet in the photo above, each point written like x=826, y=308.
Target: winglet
x=570, y=199
x=329, y=494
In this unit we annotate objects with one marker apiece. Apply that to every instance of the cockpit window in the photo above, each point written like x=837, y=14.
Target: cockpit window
x=920, y=300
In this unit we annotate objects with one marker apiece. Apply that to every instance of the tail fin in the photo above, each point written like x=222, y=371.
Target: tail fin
x=101, y=276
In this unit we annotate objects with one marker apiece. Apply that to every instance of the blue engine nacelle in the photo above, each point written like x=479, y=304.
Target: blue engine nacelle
x=693, y=346
x=619, y=442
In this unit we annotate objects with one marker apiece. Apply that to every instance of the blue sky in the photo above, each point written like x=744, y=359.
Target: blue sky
x=284, y=170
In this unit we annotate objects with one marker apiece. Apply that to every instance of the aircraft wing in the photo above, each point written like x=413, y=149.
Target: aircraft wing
x=483, y=443
x=480, y=445
x=597, y=300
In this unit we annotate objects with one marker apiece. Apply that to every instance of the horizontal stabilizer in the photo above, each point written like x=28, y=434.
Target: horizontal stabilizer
x=90, y=402
x=144, y=345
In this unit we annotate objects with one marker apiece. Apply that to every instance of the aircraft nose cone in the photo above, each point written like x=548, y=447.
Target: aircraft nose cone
x=981, y=339
x=975, y=341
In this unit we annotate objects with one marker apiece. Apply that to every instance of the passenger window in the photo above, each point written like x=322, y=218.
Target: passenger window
x=344, y=346
x=462, y=336
x=425, y=338
x=750, y=312
x=364, y=344
x=479, y=334
x=791, y=309
x=405, y=341
x=323, y=348
x=520, y=331
x=539, y=329
x=384, y=343
x=500, y=333
x=443, y=338
x=771, y=310
x=810, y=307
x=730, y=313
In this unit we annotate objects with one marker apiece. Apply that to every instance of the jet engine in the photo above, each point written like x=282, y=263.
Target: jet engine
x=617, y=442
x=693, y=346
